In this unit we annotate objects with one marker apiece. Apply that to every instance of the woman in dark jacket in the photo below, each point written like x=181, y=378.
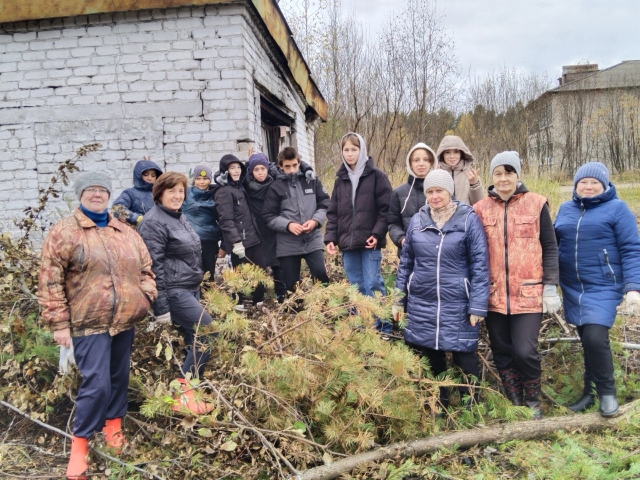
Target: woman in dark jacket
x=408, y=198
x=200, y=210
x=177, y=263
x=357, y=218
x=523, y=257
x=240, y=234
x=599, y=254
x=444, y=272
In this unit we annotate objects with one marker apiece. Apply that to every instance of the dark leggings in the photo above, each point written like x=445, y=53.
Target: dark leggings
x=598, y=361
x=188, y=313
x=210, y=251
x=514, y=342
x=465, y=361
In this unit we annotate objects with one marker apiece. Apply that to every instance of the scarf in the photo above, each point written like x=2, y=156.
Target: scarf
x=442, y=215
x=101, y=219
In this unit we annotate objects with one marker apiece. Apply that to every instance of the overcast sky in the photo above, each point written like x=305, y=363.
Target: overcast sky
x=531, y=35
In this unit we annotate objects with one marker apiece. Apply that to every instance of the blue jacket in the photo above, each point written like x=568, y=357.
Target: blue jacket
x=445, y=274
x=138, y=200
x=599, y=256
x=200, y=210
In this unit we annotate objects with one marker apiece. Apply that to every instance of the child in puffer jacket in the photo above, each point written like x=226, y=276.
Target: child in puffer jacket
x=133, y=203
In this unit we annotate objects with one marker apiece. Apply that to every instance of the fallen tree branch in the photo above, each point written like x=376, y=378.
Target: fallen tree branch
x=625, y=345
x=562, y=323
x=66, y=435
x=527, y=430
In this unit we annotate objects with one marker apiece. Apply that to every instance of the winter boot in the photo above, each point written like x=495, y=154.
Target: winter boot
x=187, y=400
x=113, y=434
x=77, y=467
x=588, y=398
x=532, y=397
x=608, y=405
x=512, y=385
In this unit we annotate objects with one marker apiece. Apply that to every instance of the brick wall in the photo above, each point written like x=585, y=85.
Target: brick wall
x=178, y=85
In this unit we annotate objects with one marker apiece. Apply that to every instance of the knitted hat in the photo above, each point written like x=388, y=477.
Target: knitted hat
x=258, y=158
x=91, y=179
x=593, y=170
x=439, y=178
x=506, y=158
x=202, y=171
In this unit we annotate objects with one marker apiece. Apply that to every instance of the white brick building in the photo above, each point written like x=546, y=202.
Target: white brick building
x=184, y=85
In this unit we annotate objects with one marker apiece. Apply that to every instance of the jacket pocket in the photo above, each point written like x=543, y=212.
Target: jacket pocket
x=490, y=226
x=605, y=265
x=530, y=294
x=525, y=226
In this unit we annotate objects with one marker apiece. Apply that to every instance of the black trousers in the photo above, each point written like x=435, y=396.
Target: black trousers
x=253, y=256
x=291, y=268
x=188, y=313
x=104, y=362
x=598, y=360
x=514, y=342
x=278, y=281
x=210, y=249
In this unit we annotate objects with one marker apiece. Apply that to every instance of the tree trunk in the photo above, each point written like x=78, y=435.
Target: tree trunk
x=527, y=430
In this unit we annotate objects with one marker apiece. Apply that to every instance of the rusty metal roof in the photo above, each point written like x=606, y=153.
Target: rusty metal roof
x=268, y=10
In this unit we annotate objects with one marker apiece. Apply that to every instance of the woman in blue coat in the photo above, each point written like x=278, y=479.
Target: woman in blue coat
x=599, y=256
x=444, y=272
x=200, y=210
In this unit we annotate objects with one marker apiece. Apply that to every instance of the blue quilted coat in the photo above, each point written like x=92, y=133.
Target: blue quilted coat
x=445, y=274
x=138, y=200
x=200, y=210
x=599, y=256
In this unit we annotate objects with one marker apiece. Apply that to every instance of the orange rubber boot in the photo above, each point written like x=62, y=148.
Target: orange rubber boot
x=113, y=434
x=187, y=400
x=78, y=460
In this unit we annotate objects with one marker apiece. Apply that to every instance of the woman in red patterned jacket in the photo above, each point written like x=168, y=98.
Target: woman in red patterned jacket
x=95, y=284
x=523, y=271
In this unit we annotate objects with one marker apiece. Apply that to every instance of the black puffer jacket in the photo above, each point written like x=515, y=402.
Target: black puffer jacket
x=257, y=192
x=401, y=208
x=235, y=218
x=348, y=225
x=175, y=251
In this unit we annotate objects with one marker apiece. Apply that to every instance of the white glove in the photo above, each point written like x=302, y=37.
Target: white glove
x=632, y=300
x=310, y=175
x=238, y=249
x=475, y=319
x=551, y=302
x=66, y=359
x=164, y=319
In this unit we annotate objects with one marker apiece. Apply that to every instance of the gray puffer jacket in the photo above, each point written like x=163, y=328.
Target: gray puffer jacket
x=295, y=198
x=175, y=251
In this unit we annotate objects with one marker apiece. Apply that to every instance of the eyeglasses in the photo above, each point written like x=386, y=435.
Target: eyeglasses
x=92, y=190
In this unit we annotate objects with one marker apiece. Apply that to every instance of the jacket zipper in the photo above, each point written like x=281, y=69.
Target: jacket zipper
x=606, y=259
x=506, y=254
x=576, y=259
x=438, y=290
x=353, y=213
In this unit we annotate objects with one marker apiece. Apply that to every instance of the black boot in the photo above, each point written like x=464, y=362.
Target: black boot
x=587, y=400
x=512, y=385
x=532, y=397
x=608, y=405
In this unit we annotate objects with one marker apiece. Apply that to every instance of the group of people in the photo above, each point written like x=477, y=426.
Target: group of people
x=464, y=257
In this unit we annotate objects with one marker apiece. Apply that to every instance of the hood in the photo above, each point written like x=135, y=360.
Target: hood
x=455, y=224
x=519, y=189
x=424, y=146
x=609, y=194
x=222, y=176
x=199, y=194
x=450, y=142
x=140, y=167
x=362, y=158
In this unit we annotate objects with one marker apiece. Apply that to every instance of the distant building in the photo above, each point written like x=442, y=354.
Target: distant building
x=184, y=81
x=592, y=115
